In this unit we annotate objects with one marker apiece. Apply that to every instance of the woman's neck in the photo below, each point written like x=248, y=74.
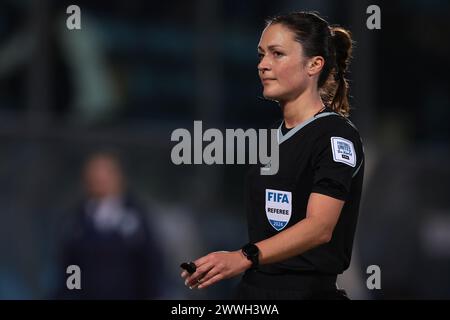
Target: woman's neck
x=302, y=108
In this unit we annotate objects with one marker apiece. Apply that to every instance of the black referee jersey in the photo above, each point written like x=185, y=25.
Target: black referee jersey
x=324, y=155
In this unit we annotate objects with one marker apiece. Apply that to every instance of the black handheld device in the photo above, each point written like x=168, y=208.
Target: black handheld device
x=189, y=267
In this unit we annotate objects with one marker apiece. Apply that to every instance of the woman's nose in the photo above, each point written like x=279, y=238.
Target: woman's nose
x=263, y=65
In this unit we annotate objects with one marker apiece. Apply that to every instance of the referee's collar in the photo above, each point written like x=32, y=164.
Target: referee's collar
x=323, y=113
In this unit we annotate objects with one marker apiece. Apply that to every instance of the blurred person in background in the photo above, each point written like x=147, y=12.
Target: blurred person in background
x=110, y=240
x=302, y=220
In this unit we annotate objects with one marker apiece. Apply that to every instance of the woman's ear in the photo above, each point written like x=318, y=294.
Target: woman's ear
x=315, y=65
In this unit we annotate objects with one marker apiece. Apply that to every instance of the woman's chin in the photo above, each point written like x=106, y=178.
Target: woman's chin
x=270, y=95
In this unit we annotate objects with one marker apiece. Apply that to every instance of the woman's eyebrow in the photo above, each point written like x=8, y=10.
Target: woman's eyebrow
x=271, y=47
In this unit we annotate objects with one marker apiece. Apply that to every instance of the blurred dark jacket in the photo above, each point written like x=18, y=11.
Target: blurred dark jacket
x=111, y=242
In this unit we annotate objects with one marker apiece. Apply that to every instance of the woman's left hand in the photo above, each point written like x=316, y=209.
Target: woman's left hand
x=216, y=266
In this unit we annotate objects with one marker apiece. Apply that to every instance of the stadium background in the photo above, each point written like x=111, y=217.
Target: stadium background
x=140, y=69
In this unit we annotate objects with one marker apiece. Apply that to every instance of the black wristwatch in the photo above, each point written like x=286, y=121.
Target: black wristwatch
x=251, y=252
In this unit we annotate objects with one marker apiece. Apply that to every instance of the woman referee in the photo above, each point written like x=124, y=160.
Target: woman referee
x=302, y=220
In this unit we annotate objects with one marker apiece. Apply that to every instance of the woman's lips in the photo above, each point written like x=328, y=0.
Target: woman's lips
x=266, y=80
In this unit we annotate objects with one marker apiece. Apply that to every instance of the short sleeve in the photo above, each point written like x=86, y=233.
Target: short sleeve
x=335, y=159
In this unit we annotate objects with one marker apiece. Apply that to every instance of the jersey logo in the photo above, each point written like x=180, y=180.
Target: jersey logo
x=343, y=151
x=278, y=208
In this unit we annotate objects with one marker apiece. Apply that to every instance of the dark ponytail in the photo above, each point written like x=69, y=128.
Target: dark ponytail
x=334, y=44
x=342, y=41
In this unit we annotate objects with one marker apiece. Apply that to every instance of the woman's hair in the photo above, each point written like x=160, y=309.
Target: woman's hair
x=333, y=43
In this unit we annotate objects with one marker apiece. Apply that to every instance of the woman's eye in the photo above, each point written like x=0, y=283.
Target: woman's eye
x=260, y=56
x=277, y=54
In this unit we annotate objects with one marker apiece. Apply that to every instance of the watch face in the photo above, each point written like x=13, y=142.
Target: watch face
x=251, y=249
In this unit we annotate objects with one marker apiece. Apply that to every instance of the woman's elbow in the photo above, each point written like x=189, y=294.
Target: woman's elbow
x=323, y=231
x=324, y=234
x=325, y=237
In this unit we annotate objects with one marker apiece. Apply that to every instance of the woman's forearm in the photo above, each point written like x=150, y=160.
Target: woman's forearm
x=306, y=234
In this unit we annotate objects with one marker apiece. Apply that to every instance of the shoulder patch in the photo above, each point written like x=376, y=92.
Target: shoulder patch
x=343, y=151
